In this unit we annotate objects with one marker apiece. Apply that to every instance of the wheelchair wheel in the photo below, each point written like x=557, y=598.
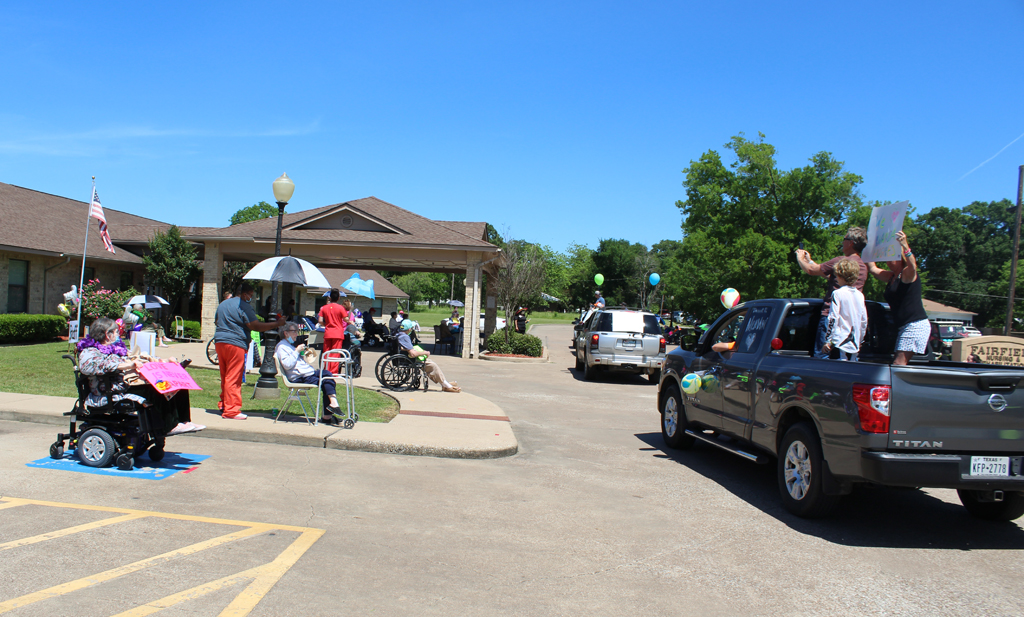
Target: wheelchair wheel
x=211, y=352
x=399, y=373
x=57, y=450
x=156, y=453
x=377, y=367
x=96, y=448
x=125, y=462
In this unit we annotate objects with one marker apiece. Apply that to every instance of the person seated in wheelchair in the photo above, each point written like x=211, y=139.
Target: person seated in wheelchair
x=353, y=346
x=430, y=367
x=103, y=359
x=298, y=370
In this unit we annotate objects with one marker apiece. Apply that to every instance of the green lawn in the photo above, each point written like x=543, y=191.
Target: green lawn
x=428, y=318
x=39, y=369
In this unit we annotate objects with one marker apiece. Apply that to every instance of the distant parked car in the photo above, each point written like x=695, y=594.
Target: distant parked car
x=971, y=331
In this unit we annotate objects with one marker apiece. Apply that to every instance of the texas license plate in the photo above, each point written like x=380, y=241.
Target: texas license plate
x=990, y=466
x=629, y=345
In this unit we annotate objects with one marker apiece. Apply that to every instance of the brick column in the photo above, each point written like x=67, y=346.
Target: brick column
x=213, y=265
x=471, y=334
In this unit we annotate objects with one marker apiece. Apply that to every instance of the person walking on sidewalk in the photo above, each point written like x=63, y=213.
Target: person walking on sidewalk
x=430, y=367
x=235, y=319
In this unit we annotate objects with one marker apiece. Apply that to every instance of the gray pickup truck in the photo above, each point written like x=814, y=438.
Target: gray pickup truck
x=830, y=424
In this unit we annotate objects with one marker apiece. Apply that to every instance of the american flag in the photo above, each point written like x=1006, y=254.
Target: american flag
x=96, y=211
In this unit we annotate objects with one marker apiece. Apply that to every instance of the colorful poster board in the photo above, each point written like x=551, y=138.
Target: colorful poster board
x=167, y=377
x=885, y=222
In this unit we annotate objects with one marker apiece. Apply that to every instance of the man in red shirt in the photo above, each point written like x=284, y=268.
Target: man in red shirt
x=333, y=317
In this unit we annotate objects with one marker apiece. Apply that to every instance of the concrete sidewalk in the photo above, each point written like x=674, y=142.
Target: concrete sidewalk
x=431, y=423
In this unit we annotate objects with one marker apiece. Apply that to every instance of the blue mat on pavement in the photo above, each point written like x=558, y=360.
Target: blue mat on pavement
x=145, y=469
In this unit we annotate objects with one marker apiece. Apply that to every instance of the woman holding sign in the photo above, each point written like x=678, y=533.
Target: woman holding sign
x=903, y=293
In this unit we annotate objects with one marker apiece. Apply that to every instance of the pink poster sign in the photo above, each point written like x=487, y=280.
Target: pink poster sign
x=167, y=377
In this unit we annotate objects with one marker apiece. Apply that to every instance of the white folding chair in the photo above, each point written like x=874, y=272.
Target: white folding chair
x=179, y=327
x=342, y=356
x=295, y=393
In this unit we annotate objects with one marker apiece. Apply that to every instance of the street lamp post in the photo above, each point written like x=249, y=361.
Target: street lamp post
x=266, y=387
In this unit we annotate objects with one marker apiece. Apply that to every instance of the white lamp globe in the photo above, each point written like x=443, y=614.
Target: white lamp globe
x=283, y=189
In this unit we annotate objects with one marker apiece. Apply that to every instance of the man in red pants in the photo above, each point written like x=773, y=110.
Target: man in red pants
x=235, y=319
x=334, y=317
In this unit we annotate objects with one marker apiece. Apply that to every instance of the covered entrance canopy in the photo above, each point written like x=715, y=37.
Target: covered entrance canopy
x=367, y=233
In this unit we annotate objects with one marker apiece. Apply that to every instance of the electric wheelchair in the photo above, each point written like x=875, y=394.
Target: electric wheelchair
x=124, y=425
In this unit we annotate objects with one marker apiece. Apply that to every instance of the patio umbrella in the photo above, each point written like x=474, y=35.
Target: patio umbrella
x=288, y=269
x=148, y=301
x=359, y=286
x=548, y=298
x=456, y=303
x=327, y=294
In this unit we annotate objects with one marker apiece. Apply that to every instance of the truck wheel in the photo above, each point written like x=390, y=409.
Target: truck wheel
x=589, y=372
x=800, y=471
x=1010, y=508
x=673, y=420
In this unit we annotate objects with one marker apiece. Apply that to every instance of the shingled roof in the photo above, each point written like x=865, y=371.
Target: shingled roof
x=38, y=222
x=361, y=221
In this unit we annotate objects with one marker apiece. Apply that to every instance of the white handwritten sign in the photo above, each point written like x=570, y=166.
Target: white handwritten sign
x=885, y=222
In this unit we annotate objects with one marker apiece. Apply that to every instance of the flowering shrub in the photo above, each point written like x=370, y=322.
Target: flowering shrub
x=99, y=302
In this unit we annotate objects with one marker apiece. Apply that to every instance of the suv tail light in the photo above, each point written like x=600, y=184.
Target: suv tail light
x=872, y=407
x=594, y=338
x=661, y=345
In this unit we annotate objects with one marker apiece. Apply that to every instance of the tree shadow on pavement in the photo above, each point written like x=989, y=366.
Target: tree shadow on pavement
x=869, y=517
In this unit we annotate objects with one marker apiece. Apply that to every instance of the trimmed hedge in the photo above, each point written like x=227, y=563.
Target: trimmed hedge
x=193, y=329
x=31, y=328
x=521, y=344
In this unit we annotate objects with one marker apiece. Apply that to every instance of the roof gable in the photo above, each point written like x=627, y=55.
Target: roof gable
x=345, y=216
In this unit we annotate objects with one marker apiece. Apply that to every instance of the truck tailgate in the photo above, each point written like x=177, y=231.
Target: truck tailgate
x=957, y=410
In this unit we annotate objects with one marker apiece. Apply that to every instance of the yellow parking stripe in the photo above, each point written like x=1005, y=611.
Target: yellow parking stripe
x=168, y=515
x=270, y=574
x=70, y=530
x=266, y=576
x=102, y=577
x=262, y=578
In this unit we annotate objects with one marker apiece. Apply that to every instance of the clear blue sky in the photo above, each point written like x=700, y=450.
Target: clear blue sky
x=562, y=122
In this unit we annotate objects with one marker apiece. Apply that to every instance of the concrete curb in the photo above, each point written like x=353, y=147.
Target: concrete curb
x=544, y=357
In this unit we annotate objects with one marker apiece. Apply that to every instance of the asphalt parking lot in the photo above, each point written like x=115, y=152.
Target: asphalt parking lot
x=592, y=517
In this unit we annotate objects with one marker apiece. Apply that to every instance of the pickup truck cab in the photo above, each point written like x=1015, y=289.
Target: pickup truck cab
x=830, y=424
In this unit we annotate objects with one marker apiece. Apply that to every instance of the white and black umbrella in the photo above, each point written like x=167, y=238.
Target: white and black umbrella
x=341, y=294
x=148, y=301
x=288, y=269
x=456, y=303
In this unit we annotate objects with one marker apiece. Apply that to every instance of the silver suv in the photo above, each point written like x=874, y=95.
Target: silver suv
x=620, y=340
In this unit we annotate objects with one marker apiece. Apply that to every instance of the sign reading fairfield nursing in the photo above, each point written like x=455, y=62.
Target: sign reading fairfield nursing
x=885, y=222
x=167, y=377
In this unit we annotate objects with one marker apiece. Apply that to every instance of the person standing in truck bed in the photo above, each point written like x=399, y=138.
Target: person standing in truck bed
x=853, y=243
x=903, y=293
x=848, y=318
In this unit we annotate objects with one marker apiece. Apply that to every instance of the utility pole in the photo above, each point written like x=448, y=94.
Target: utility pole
x=1016, y=246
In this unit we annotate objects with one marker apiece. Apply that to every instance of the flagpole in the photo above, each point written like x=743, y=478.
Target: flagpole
x=81, y=277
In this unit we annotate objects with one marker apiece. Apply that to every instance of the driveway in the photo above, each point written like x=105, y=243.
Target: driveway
x=592, y=517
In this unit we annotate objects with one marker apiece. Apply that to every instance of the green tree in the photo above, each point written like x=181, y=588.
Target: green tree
x=519, y=277
x=616, y=260
x=172, y=264
x=580, y=287
x=742, y=223
x=255, y=212
x=417, y=284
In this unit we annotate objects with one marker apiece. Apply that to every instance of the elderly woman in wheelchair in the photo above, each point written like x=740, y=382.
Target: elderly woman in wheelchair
x=118, y=421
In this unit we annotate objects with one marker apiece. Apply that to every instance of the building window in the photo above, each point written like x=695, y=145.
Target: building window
x=378, y=304
x=126, y=281
x=90, y=274
x=17, y=286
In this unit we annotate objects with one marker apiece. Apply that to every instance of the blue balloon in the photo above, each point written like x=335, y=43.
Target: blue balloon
x=654, y=278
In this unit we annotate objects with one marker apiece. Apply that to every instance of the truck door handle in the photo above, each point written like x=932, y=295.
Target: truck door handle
x=998, y=383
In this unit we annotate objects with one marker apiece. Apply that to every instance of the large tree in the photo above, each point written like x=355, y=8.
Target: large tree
x=172, y=264
x=743, y=222
x=519, y=277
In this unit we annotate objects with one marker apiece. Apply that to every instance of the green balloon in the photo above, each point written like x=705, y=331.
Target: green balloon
x=599, y=279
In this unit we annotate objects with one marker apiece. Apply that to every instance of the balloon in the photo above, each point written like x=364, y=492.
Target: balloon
x=599, y=279
x=730, y=297
x=655, y=277
x=63, y=310
x=691, y=383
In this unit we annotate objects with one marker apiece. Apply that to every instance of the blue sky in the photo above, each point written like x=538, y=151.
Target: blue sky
x=560, y=122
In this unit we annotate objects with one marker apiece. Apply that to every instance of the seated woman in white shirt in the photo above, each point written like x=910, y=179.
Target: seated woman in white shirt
x=299, y=371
